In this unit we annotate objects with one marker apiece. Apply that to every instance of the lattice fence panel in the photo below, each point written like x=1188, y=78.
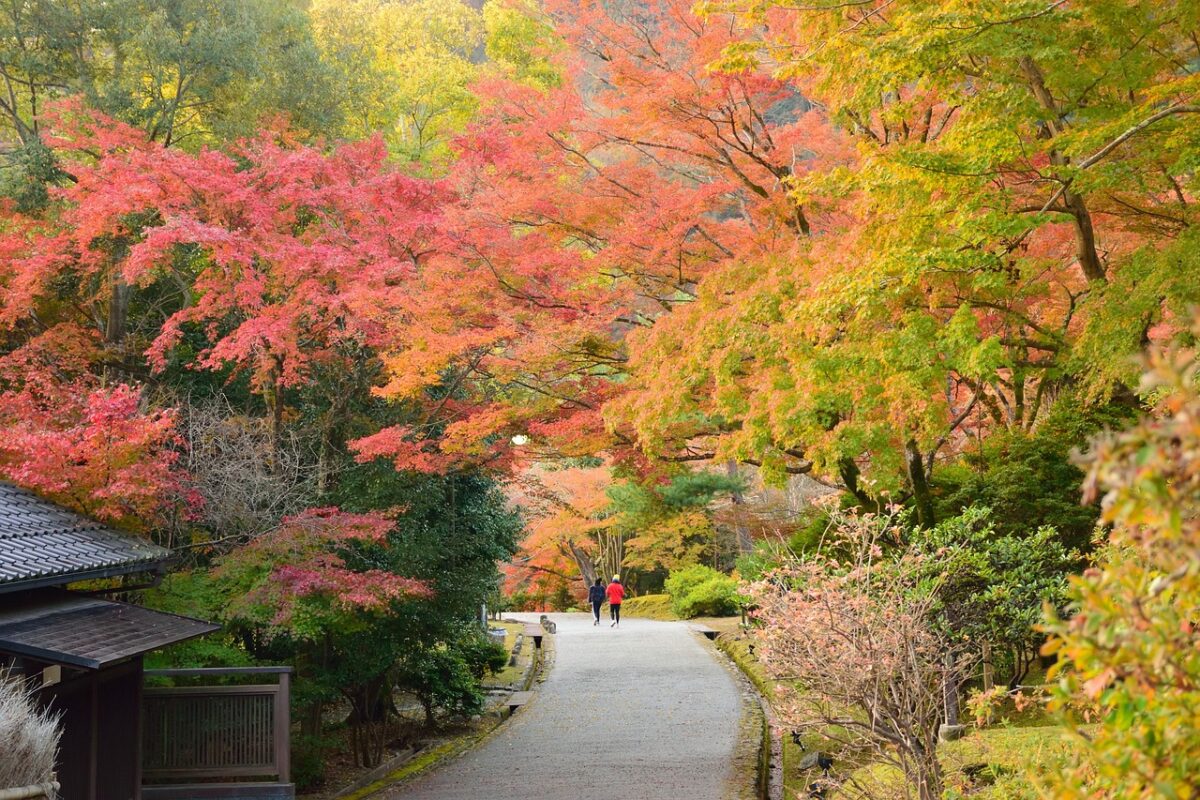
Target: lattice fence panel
x=218, y=731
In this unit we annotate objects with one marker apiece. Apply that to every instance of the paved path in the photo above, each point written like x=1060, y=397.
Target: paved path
x=641, y=712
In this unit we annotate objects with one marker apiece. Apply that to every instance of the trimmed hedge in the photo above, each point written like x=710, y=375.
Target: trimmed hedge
x=700, y=591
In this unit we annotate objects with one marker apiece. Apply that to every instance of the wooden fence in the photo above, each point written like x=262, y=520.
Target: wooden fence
x=238, y=731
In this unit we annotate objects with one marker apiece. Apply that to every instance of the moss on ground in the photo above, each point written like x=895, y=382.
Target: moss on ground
x=751, y=758
x=737, y=647
x=424, y=760
x=649, y=606
x=1011, y=754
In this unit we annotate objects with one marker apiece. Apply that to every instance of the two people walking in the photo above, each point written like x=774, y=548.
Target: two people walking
x=614, y=593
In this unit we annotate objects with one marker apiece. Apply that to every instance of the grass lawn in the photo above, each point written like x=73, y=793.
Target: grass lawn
x=1008, y=752
x=737, y=646
x=990, y=764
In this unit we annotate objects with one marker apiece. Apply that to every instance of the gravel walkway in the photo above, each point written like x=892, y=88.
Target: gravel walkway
x=641, y=712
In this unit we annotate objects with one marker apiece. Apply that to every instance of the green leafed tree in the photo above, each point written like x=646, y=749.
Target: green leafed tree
x=1015, y=220
x=994, y=586
x=187, y=72
x=521, y=40
x=180, y=69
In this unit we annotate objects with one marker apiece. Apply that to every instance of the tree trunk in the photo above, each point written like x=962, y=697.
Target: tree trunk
x=849, y=473
x=273, y=397
x=115, y=326
x=922, y=769
x=369, y=712
x=922, y=497
x=1085, y=237
x=744, y=543
x=929, y=780
x=612, y=553
x=587, y=569
x=1021, y=664
x=989, y=678
x=310, y=719
x=118, y=310
x=333, y=443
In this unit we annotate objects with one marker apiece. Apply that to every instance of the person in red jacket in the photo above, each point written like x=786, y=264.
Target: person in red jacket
x=616, y=593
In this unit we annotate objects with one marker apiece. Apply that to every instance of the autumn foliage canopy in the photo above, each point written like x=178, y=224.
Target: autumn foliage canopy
x=586, y=248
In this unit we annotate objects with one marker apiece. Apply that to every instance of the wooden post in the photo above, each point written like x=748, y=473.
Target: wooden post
x=94, y=738
x=283, y=728
x=950, y=691
x=137, y=734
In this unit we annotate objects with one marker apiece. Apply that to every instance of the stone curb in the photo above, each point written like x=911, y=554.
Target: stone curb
x=756, y=744
x=374, y=776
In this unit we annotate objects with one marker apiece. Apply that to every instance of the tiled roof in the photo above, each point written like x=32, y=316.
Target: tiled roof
x=65, y=628
x=42, y=544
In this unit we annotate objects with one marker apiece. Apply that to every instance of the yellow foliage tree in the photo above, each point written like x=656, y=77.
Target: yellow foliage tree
x=405, y=69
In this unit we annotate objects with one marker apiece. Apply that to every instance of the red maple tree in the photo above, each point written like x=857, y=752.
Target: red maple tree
x=93, y=447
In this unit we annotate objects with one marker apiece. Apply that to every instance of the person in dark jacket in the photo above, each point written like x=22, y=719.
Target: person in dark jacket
x=596, y=598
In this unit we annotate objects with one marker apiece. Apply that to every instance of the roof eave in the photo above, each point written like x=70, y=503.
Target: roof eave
x=55, y=657
x=115, y=571
x=57, y=601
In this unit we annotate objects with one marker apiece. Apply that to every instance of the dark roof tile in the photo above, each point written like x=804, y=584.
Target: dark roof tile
x=65, y=628
x=44, y=544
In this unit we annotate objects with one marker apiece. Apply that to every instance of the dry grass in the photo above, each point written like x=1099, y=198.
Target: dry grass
x=30, y=736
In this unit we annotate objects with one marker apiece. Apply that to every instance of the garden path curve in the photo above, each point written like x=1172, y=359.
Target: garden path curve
x=641, y=712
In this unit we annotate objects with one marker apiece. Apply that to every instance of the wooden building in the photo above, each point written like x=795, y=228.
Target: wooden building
x=85, y=652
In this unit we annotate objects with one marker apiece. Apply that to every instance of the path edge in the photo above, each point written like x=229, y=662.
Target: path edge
x=423, y=762
x=756, y=744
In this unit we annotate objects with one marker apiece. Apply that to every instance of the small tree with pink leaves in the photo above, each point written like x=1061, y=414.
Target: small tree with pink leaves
x=857, y=637
x=322, y=588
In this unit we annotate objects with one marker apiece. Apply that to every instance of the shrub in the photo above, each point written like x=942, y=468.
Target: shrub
x=481, y=655
x=682, y=581
x=702, y=591
x=520, y=601
x=30, y=736
x=1126, y=683
x=447, y=678
x=309, y=754
x=648, y=606
x=1029, y=476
